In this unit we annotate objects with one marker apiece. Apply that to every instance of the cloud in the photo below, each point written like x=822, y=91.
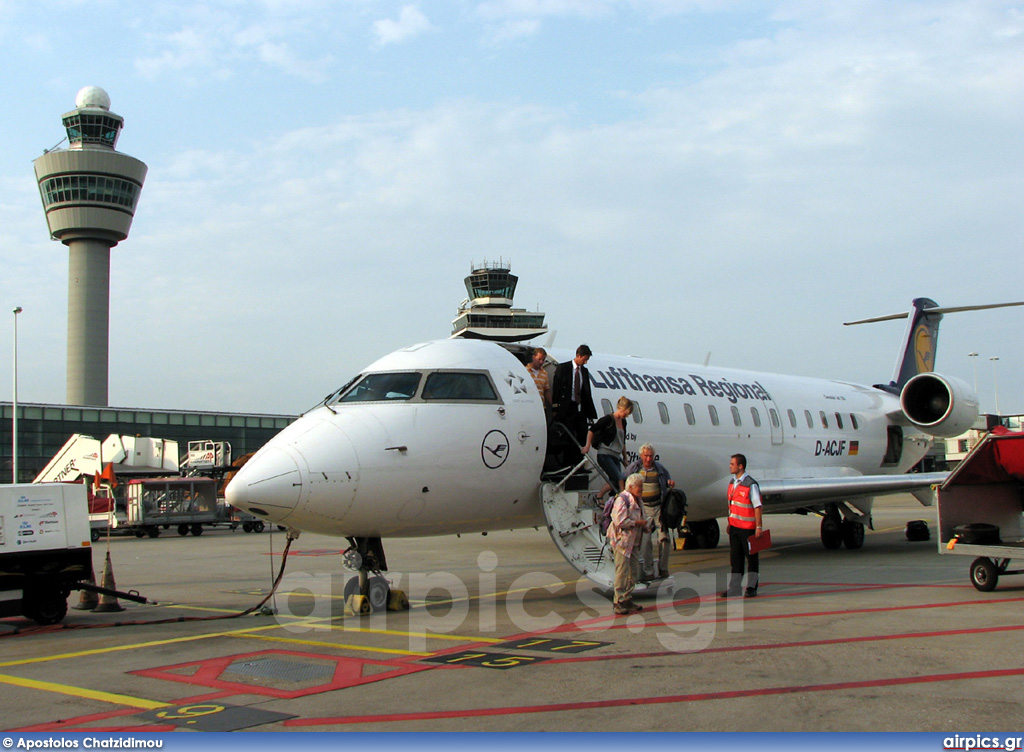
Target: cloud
x=215, y=43
x=509, y=20
x=411, y=23
x=492, y=9
x=818, y=166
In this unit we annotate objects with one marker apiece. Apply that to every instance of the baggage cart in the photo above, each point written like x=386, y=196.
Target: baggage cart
x=185, y=504
x=981, y=508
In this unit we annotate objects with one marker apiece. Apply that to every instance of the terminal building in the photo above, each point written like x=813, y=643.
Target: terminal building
x=43, y=429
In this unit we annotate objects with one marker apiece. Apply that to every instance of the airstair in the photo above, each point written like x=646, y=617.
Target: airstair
x=574, y=522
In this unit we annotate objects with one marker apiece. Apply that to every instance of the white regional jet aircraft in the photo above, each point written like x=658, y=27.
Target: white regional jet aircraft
x=450, y=437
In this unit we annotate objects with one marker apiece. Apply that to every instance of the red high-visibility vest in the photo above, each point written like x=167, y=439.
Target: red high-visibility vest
x=741, y=508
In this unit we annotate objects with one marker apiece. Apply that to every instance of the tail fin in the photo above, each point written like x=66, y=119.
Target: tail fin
x=919, y=344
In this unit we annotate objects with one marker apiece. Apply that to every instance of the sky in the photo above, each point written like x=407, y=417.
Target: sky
x=668, y=178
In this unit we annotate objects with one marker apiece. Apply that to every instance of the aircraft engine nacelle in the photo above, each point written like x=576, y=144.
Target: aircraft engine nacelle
x=941, y=406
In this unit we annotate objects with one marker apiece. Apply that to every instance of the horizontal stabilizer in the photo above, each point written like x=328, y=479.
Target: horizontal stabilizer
x=917, y=353
x=948, y=309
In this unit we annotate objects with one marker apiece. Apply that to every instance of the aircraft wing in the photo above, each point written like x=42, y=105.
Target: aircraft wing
x=796, y=493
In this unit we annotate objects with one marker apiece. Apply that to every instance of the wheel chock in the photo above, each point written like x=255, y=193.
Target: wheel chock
x=358, y=605
x=397, y=601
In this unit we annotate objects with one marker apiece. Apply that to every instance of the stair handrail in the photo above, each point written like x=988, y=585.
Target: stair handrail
x=586, y=458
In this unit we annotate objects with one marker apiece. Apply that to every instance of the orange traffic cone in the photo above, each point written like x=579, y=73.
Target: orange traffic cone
x=87, y=600
x=108, y=603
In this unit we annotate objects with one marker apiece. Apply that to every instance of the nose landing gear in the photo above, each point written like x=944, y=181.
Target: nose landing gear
x=369, y=591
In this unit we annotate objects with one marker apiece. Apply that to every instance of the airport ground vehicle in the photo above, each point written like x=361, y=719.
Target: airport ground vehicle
x=99, y=464
x=45, y=551
x=981, y=507
x=186, y=504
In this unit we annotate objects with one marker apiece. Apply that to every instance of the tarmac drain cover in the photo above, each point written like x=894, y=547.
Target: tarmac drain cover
x=281, y=670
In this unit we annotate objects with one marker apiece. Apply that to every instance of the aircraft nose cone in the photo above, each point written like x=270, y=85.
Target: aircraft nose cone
x=269, y=484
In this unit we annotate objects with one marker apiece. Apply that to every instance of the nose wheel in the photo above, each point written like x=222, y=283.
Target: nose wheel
x=378, y=591
x=369, y=591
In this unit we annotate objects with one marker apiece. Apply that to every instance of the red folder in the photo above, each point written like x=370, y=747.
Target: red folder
x=760, y=542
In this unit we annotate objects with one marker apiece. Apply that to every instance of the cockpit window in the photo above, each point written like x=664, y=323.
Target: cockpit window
x=378, y=387
x=458, y=385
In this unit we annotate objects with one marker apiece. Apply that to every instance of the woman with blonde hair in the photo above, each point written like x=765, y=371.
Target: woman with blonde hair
x=608, y=435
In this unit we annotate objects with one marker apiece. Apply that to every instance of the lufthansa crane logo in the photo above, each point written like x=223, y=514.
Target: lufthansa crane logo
x=924, y=350
x=494, y=449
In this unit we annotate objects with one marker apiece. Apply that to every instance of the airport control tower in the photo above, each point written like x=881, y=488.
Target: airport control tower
x=89, y=193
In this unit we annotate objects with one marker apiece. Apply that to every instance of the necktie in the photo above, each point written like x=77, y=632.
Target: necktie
x=576, y=386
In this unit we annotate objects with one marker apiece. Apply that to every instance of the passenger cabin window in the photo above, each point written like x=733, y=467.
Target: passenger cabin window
x=756, y=416
x=854, y=422
x=775, y=418
x=824, y=419
x=839, y=421
x=663, y=412
x=380, y=387
x=792, y=418
x=807, y=416
x=691, y=419
x=638, y=415
x=606, y=406
x=735, y=415
x=714, y=415
x=458, y=385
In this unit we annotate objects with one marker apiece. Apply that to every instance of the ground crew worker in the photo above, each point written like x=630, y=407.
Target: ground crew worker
x=744, y=522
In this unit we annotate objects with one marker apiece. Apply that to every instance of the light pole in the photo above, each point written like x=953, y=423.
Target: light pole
x=995, y=384
x=14, y=405
x=974, y=359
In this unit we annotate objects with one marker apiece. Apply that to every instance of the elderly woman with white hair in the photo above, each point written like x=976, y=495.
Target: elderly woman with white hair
x=627, y=524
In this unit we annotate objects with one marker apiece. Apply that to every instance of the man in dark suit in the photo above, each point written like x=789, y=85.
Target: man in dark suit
x=570, y=394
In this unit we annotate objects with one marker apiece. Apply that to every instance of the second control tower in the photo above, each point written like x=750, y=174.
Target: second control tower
x=89, y=193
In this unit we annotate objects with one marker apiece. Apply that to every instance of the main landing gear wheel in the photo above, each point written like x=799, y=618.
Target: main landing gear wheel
x=984, y=574
x=832, y=530
x=704, y=534
x=853, y=534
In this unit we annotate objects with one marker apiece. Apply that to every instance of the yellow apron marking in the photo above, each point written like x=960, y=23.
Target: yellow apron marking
x=88, y=694
x=134, y=646
x=333, y=645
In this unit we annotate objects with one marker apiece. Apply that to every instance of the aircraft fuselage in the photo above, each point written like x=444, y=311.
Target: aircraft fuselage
x=459, y=443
